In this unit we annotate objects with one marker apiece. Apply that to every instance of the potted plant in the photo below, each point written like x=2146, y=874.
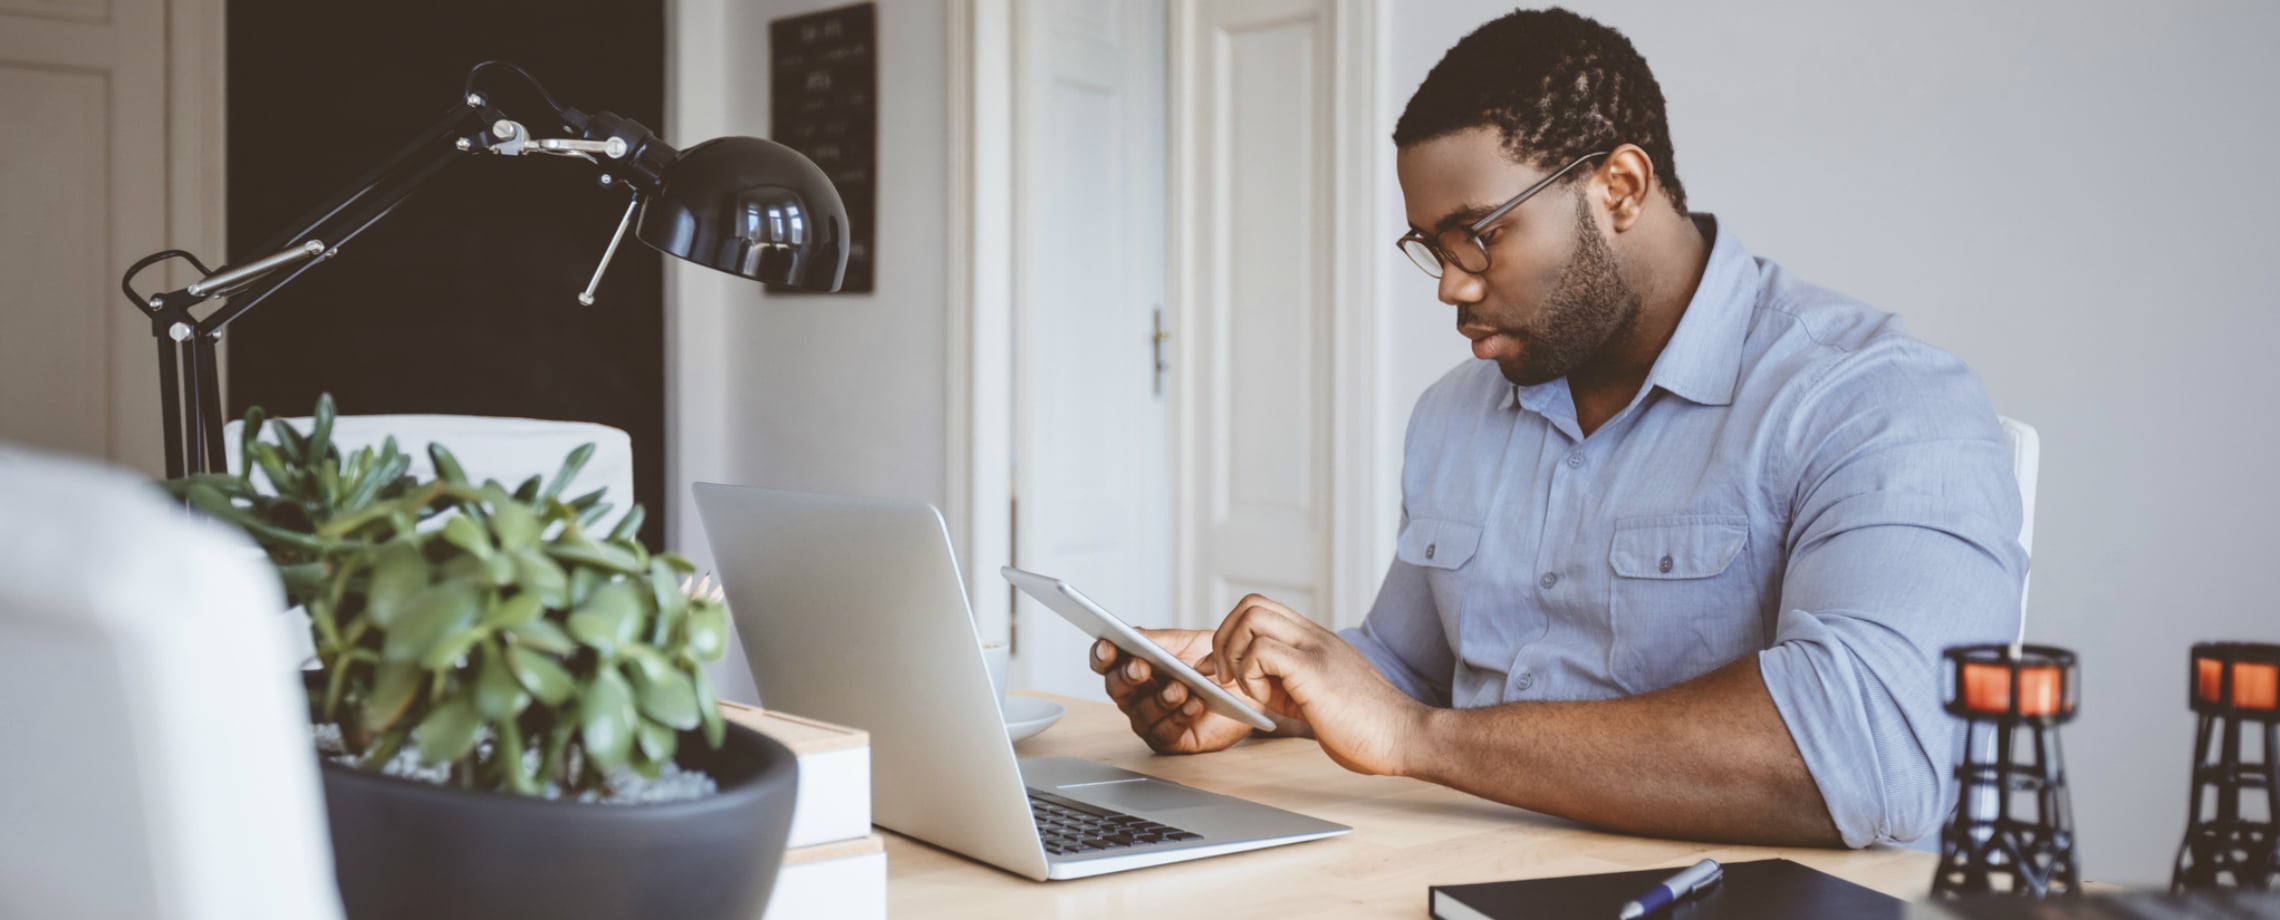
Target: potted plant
x=509, y=699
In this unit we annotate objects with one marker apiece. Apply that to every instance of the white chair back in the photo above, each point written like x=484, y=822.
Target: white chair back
x=158, y=759
x=509, y=450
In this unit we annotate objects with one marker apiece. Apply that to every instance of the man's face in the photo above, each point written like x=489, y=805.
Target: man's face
x=1554, y=293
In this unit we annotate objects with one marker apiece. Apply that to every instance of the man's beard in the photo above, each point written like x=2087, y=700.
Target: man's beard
x=1589, y=305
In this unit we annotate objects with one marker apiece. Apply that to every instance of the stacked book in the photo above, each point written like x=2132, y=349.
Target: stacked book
x=833, y=865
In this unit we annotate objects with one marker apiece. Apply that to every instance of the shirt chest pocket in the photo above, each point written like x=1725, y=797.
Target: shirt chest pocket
x=1441, y=547
x=1679, y=605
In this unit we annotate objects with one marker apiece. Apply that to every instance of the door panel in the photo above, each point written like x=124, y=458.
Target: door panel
x=1091, y=461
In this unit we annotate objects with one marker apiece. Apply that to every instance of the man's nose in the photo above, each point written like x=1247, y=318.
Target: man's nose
x=1459, y=287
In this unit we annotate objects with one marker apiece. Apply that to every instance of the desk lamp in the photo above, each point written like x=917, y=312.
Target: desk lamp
x=1998, y=691
x=2233, y=685
x=742, y=205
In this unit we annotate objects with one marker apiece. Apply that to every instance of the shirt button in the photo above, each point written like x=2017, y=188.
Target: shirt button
x=1527, y=679
x=1664, y=565
x=1549, y=579
x=1429, y=547
x=1575, y=461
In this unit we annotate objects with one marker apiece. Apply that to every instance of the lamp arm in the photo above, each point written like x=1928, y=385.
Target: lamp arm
x=187, y=357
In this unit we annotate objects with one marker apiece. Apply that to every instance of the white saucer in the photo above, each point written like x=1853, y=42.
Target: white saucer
x=1026, y=716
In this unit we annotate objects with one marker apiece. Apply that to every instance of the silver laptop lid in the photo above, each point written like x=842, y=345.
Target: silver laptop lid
x=851, y=611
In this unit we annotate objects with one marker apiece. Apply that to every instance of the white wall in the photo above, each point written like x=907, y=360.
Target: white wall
x=2074, y=197
x=824, y=393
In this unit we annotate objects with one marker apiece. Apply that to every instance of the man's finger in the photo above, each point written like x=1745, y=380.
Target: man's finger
x=1128, y=677
x=1103, y=656
x=1269, y=658
x=1168, y=733
x=1256, y=618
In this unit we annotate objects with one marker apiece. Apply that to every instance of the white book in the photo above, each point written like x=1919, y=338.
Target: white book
x=834, y=800
x=842, y=881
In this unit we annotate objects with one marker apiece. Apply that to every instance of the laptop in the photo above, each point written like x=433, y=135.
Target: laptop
x=852, y=611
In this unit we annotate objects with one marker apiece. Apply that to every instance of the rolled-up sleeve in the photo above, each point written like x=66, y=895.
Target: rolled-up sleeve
x=1904, y=542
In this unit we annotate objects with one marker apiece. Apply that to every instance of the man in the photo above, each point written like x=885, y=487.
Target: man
x=1680, y=552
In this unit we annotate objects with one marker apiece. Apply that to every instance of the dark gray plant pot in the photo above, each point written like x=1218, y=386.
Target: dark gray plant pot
x=409, y=849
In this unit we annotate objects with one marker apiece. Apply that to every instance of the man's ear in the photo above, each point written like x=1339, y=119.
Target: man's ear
x=1628, y=177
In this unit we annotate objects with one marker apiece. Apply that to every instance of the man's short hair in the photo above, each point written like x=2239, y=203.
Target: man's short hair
x=1555, y=85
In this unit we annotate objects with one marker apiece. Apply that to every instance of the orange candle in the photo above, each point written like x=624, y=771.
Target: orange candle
x=2255, y=686
x=1987, y=688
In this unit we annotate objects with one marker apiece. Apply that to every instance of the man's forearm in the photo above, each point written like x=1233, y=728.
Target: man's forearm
x=1706, y=759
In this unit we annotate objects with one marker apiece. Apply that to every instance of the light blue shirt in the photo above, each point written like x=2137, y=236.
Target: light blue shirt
x=1798, y=480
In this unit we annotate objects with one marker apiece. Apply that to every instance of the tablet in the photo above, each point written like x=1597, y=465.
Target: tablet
x=1082, y=613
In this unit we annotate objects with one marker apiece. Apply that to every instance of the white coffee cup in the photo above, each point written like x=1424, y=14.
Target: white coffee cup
x=996, y=655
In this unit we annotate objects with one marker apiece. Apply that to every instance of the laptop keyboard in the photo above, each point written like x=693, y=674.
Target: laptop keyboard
x=1070, y=827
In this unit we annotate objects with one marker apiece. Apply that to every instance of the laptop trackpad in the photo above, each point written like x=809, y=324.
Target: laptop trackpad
x=1137, y=795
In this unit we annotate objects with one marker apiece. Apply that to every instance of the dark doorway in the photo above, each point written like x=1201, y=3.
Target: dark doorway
x=463, y=301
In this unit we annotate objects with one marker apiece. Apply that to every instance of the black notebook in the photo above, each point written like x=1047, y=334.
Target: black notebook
x=1763, y=889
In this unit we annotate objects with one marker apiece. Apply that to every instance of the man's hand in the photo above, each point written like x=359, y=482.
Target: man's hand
x=1163, y=712
x=1266, y=651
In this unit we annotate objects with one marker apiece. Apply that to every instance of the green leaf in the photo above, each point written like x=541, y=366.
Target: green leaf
x=581, y=503
x=439, y=610
x=500, y=569
x=595, y=555
x=513, y=611
x=679, y=563
x=528, y=492
x=708, y=630
x=447, y=467
x=648, y=662
x=392, y=691
x=610, y=618
x=658, y=742
x=247, y=433
x=290, y=443
x=464, y=533
x=446, y=653
x=499, y=696
x=320, y=433
x=514, y=522
x=510, y=759
x=591, y=515
x=670, y=700
x=708, y=708
x=282, y=481
x=630, y=525
x=606, y=720
x=448, y=733
x=671, y=603
x=542, y=577
x=570, y=467
x=583, y=581
x=398, y=573
x=544, y=678
x=543, y=635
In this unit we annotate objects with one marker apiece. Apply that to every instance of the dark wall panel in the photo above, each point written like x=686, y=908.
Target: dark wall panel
x=464, y=300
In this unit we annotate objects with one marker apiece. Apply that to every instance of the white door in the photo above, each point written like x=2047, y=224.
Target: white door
x=112, y=152
x=1257, y=218
x=1091, y=459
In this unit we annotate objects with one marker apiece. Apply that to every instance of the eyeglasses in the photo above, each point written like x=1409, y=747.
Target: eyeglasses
x=1462, y=246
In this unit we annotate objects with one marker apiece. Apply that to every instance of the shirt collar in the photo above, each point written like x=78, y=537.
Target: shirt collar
x=1704, y=355
x=1703, y=358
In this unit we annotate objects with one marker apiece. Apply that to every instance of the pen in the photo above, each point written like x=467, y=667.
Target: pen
x=1678, y=887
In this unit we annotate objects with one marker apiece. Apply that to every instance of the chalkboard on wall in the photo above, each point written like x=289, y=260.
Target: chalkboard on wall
x=823, y=101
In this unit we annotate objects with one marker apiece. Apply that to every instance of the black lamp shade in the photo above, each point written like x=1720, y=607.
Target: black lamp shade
x=750, y=207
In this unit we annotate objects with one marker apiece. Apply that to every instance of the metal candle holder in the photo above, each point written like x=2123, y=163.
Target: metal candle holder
x=2232, y=685
x=1999, y=691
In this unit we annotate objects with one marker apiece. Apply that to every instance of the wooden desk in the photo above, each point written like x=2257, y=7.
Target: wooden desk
x=1408, y=835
